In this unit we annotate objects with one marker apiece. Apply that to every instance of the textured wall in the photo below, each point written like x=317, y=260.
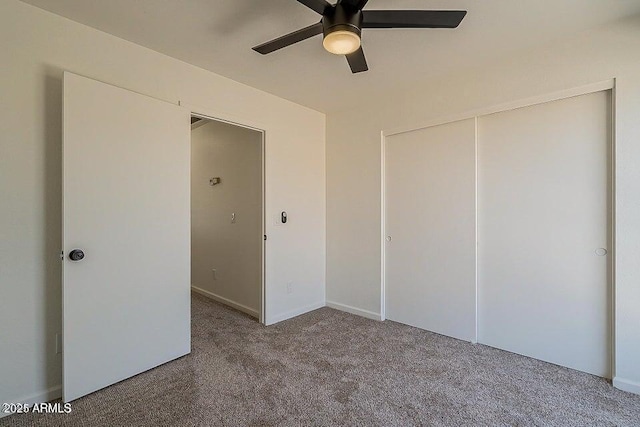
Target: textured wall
x=36, y=47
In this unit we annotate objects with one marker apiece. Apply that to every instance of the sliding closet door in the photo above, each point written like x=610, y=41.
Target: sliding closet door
x=543, y=215
x=430, y=228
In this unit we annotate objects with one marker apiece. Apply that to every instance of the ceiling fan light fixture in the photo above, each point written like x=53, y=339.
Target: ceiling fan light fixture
x=343, y=21
x=341, y=42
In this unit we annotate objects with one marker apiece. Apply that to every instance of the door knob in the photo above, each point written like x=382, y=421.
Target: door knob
x=76, y=255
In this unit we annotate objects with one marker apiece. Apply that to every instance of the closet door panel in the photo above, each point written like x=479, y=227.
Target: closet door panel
x=430, y=226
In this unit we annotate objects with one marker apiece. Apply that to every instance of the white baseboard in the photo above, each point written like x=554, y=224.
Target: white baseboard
x=354, y=310
x=293, y=313
x=250, y=311
x=41, y=397
x=626, y=385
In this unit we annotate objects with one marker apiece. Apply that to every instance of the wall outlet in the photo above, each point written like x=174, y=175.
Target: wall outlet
x=214, y=274
x=289, y=287
x=58, y=343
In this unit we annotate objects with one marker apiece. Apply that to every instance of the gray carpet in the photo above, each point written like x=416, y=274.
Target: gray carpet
x=333, y=368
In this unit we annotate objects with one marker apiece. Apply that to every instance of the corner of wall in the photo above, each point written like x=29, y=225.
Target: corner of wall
x=626, y=385
x=272, y=320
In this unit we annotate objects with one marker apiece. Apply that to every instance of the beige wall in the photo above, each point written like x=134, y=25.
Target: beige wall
x=354, y=161
x=233, y=249
x=35, y=48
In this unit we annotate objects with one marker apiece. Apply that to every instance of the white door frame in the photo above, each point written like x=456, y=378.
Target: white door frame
x=555, y=96
x=218, y=116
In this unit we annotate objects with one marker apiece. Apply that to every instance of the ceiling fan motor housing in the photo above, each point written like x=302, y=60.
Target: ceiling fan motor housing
x=342, y=23
x=342, y=19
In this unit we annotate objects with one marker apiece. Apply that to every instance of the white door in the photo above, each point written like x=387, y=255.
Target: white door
x=126, y=304
x=543, y=288
x=430, y=227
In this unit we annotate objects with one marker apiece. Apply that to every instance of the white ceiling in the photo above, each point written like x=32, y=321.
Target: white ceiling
x=218, y=35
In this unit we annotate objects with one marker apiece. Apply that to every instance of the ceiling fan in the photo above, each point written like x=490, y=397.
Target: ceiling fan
x=342, y=24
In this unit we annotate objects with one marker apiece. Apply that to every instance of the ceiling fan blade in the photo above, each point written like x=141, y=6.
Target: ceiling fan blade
x=412, y=18
x=354, y=4
x=357, y=61
x=289, y=39
x=318, y=5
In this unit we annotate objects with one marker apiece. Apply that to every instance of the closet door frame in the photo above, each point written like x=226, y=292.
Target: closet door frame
x=475, y=114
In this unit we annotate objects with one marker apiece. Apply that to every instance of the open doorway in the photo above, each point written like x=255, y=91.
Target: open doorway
x=227, y=214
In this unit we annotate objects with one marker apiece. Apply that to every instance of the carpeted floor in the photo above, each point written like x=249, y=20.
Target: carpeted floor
x=333, y=368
